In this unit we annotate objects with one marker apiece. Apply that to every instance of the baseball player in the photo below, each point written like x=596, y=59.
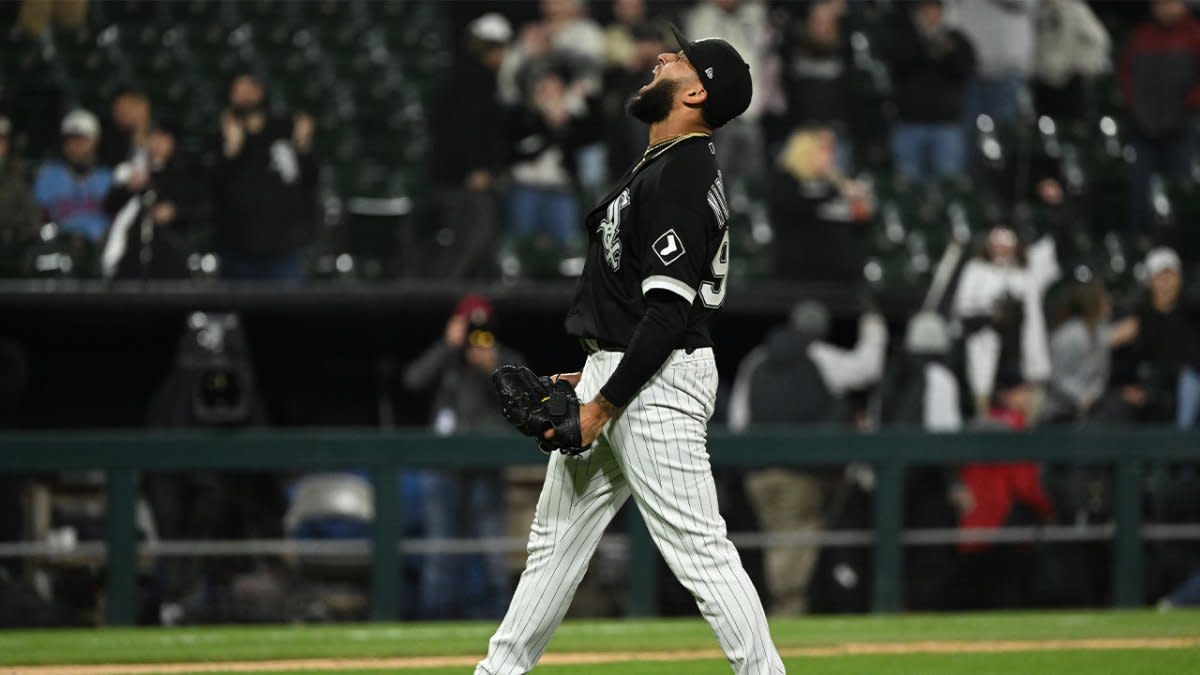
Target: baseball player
x=655, y=275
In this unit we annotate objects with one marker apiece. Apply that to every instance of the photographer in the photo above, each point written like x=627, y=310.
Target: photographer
x=264, y=184
x=458, y=369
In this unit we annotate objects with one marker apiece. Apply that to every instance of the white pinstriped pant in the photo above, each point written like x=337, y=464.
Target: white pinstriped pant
x=654, y=450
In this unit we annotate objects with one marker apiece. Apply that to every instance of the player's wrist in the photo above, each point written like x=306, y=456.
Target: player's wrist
x=606, y=407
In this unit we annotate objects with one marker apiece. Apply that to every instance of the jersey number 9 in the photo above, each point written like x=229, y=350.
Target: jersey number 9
x=712, y=293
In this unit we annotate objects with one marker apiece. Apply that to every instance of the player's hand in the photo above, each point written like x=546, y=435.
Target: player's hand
x=570, y=378
x=592, y=418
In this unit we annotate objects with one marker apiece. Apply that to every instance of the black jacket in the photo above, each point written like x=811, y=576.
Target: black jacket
x=180, y=182
x=529, y=135
x=929, y=74
x=816, y=238
x=787, y=387
x=458, y=387
x=265, y=195
x=902, y=391
x=815, y=79
x=1168, y=340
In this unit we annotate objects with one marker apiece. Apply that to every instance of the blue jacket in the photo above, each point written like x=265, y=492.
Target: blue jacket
x=75, y=203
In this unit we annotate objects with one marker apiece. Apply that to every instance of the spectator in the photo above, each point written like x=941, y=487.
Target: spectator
x=999, y=576
x=1164, y=360
x=467, y=150
x=625, y=133
x=543, y=205
x=619, y=36
x=930, y=64
x=264, y=184
x=1080, y=349
x=1160, y=83
x=795, y=378
x=999, y=301
x=18, y=212
x=71, y=190
x=817, y=213
x=457, y=369
x=564, y=38
x=743, y=24
x=567, y=42
x=1071, y=48
x=125, y=139
x=1002, y=34
x=573, y=34
x=816, y=60
x=154, y=210
x=579, y=43
x=920, y=391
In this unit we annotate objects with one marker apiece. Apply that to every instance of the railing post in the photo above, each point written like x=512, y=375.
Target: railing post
x=643, y=572
x=888, y=516
x=1127, y=544
x=385, y=544
x=121, y=547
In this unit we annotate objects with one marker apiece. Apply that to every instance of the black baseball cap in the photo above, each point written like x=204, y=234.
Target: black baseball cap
x=724, y=74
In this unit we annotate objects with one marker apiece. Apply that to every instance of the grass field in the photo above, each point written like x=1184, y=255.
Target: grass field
x=1118, y=643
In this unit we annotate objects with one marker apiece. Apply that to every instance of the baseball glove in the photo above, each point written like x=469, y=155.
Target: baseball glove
x=534, y=404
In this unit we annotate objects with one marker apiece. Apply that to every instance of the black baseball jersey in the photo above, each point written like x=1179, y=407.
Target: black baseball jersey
x=663, y=227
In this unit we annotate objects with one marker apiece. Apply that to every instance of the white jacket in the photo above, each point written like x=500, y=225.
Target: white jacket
x=980, y=287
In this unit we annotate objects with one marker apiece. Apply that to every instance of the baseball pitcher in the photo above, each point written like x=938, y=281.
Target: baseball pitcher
x=654, y=277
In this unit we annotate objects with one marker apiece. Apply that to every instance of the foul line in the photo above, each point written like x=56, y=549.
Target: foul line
x=593, y=658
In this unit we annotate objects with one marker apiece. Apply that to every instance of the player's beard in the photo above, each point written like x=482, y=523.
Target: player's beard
x=654, y=104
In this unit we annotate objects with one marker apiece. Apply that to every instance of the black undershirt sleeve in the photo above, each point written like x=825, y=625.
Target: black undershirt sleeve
x=660, y=331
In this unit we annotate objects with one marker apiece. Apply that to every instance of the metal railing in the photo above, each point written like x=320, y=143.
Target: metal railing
x=122, y=455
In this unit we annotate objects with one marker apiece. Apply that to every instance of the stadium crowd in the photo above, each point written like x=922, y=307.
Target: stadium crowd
x=1014, y=160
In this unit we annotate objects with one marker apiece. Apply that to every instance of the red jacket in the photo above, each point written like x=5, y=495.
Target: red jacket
x=996, y=488
x=1160, y=75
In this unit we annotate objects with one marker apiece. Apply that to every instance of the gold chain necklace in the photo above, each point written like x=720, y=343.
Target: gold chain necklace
x=665, y=144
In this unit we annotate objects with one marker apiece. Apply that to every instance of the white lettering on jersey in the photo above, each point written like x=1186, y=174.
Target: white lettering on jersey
x=717, y=201
x=668, y=247
x=610, y=230
x=284, y=162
